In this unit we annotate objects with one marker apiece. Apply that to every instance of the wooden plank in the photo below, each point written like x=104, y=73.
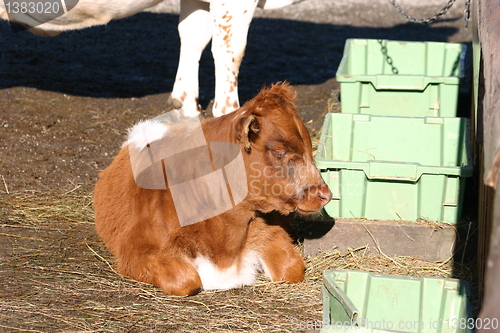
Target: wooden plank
x=431, y=242
x=485, y=193
x=489, y=35
x=488, y=27
x=491, y=304
x=485, y=219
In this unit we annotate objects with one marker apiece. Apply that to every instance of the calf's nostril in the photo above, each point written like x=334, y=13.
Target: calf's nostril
x=324, y=195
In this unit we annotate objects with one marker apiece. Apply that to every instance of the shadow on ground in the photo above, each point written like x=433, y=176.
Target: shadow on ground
x=138, y=56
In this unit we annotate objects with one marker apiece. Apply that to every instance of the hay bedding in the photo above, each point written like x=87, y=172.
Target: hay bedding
x=58, y=277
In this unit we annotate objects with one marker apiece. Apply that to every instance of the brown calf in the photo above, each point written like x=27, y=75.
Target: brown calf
x=142, y=229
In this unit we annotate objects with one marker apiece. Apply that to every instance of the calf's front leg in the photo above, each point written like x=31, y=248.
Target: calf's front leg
x=281, y=261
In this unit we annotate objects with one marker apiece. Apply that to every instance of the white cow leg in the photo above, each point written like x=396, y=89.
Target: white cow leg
x=195, y=31
x=231, y=22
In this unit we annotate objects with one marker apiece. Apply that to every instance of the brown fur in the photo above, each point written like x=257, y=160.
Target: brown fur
x=140, y=226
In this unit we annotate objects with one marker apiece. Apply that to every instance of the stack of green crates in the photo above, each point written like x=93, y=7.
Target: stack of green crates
x=397, y=151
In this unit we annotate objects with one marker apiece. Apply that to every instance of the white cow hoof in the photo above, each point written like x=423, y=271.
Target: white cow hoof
x=173, y=103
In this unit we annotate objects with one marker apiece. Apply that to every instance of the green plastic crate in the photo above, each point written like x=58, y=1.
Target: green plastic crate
x=426, y=83
x=395, y=168
x=360, y=301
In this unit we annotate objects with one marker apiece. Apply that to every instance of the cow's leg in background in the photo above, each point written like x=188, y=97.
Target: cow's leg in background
x=232, y=20
x=195, y=31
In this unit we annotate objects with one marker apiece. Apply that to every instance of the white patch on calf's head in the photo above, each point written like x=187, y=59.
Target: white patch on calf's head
x=145, y=132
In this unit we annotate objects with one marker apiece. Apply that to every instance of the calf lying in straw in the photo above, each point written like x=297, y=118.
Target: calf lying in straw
x=183, y=207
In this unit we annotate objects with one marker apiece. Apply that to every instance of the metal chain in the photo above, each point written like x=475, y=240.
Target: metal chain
x=383, y=48
x=466, y=13
x=423, y=21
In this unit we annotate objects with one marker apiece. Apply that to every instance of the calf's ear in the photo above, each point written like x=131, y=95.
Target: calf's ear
x=246, y=129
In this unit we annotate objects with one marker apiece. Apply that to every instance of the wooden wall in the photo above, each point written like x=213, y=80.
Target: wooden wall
x=486, y=105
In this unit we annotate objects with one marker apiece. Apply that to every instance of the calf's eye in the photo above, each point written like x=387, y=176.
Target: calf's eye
x=279, y=154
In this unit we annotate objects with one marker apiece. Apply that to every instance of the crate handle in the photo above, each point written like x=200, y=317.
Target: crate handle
x=405, y=172
x=414, y=82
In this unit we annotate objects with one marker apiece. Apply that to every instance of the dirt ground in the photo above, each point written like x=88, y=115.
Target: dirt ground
x=65, y=105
